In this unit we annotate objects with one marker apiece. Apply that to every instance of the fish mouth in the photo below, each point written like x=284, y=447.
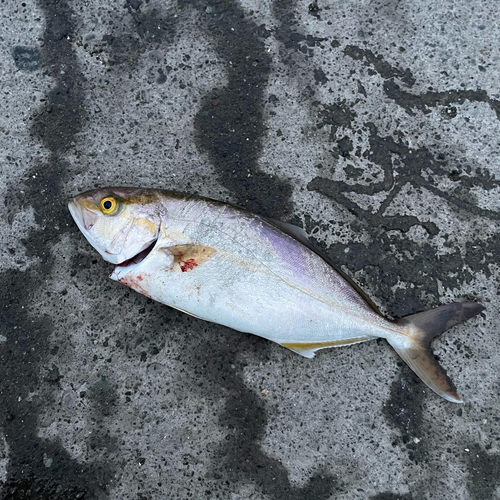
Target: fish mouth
x=136, y=259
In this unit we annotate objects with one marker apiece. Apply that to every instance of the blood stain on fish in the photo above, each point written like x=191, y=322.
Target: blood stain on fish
x=187, y=257
x=188, y=265
x=133, y=283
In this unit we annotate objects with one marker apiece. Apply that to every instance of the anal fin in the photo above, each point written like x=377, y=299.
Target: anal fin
x=308, y=349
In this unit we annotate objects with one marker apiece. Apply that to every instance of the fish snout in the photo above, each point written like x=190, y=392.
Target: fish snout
x=81, y=213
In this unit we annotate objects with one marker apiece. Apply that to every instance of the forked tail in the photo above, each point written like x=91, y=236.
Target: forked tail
x=417, y=353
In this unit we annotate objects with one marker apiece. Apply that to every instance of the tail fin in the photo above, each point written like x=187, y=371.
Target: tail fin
x=424, y=327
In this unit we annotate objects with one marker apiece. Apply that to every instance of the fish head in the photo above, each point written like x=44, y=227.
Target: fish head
x=120, y=223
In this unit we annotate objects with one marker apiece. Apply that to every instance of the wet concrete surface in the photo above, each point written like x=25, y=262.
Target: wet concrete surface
x=374, y=125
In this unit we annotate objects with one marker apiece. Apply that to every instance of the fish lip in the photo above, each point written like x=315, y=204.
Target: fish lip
x=78, y=213
x=72, y=207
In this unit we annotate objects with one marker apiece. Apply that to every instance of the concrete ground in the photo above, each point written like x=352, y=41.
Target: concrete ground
x=373, y=124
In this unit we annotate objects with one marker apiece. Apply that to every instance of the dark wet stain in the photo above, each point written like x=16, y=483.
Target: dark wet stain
x=162, y=77
x=231, y=132
x=381, y=151
x=22, y=358
x=40, y=468
x=152, y=28
x=336, y=189
x=155, y=27
x=404, y=410
x=122, y=49
x=27, y=58
x=296, y=48
x=104, y=396
x=244, y=419
x=133, y=5
x=409, y=168
x=410, y=101
x=63, y=115
x=314, y=9
x=336, y=115
x=288, y=33
x=431, y=99
x=344, y=147
x=484, y=472
x=392, y=496
x=320, y=77
x=361, y=89
x=353, y=172
x=379, y=64
x=297, y=41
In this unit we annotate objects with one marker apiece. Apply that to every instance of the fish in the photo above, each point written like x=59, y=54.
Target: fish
x=251, y=273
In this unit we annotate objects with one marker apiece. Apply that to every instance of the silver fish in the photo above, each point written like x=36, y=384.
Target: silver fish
x=223, y=264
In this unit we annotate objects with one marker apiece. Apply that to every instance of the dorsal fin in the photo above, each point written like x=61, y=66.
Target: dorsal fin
x=297, y=233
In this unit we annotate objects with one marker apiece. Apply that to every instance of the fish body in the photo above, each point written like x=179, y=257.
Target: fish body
x=235, y=268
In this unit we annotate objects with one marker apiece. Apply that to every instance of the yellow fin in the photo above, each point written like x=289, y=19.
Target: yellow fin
x=308, y=349
x=188, y=313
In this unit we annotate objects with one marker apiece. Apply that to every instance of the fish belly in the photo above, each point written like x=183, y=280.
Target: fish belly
x=249, y=298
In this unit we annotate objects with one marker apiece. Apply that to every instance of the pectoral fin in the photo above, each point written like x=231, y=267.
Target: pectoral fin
x=188, y=257
x=308, y=349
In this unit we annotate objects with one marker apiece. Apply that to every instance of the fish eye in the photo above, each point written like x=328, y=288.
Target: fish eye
x=109, y=205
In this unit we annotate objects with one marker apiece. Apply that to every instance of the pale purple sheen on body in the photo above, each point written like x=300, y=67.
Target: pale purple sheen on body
x=304, y=265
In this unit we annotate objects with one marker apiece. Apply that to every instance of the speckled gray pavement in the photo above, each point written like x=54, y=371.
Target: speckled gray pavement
x=375, y=125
